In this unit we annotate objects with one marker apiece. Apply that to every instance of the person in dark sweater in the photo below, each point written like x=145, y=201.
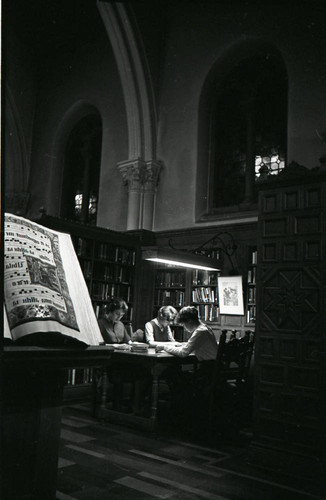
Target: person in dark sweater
x=112, y=329
x=158, y=329
x=114, y=332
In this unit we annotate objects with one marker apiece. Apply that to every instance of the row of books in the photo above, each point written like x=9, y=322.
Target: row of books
x=171, y=278
x=178, y=278
x=254, y=257
x=105, y=251
x=251, y=295
x=87, y=267
x=251, y=314
x=112, y=272
x=204, y=294
x=105, y=291
x=174, y=298
x=125, y=256
x=79, y=376
x=208, y=312
x=207, y=278
x=252, y=275
x=84, y=247
x=107, y=272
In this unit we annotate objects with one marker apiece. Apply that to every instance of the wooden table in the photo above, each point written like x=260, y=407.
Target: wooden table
x=155, y=363
x=32, y=380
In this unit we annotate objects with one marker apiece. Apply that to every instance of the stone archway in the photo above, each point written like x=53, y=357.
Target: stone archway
x=140, y=171
x=238, y=52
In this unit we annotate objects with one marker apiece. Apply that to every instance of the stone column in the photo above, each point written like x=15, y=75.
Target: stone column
x=151, y=177
x=133, y=173
x=141, y=178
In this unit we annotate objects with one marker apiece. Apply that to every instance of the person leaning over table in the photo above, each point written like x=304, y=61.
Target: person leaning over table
x=202, y=342
x=158, y=329
x=203, y=345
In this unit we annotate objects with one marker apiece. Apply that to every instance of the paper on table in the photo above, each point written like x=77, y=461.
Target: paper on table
x=158, y=343
x=121, y=347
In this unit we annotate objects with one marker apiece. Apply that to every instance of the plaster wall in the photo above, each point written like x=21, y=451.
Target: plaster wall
x=199, y=35
x=70, y=83
x=195, y=36
x=20, y=89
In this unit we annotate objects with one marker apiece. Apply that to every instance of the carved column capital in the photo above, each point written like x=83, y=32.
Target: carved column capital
x=133, y=172
x=138, y=174
x=152, y=173
x=141, y=177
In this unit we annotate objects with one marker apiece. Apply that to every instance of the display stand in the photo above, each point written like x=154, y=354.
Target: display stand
x=32, y=391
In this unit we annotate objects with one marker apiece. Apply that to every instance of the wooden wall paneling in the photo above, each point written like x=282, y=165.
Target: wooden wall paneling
x=289, y=408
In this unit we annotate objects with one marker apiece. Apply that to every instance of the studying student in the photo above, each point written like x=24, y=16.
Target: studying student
x=203, y=345
x=202, y=342
x=114, y=332
x=112, y=329
x=158, y=329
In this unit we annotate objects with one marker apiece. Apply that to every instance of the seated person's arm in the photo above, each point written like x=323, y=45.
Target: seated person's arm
x=106, y=333
x=137, y=336
x=186, y=349
x=126, y=336
x=149, y=333
x=170, y=335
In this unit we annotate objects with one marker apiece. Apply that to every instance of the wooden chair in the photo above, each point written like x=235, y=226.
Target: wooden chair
x=229, y=393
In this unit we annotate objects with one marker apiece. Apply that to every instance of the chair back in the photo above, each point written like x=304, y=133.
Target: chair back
x=232, y=361
x=230, y=397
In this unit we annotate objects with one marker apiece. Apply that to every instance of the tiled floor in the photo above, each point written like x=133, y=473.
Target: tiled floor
x=101, y=461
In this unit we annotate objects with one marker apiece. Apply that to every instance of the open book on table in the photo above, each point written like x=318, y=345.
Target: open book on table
x=46, y=298
x=166, y=342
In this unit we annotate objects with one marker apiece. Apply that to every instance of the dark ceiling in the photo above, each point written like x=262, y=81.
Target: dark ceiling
x=47, y=24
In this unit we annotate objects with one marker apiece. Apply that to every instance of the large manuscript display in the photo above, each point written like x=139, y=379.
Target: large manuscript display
x=44, y=287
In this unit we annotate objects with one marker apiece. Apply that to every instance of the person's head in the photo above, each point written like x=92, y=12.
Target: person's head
x=166, y=315
x=115, y=309
x=188, y=317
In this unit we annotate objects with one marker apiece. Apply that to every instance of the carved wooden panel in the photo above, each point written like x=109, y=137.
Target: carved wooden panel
x=291, y=323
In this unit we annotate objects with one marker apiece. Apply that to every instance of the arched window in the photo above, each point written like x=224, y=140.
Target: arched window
x=82, y=170
x=248, y=129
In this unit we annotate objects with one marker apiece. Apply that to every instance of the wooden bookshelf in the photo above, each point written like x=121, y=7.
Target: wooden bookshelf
x=251, y=288
x=170, y=287
x=108, y=261
x=204, y=294
x=108, y=269
x=181, y=287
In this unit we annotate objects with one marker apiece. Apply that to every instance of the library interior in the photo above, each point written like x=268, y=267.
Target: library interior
x=164, y=243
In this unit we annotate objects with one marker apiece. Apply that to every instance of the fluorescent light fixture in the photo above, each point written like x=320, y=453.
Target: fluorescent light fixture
x=180, y=258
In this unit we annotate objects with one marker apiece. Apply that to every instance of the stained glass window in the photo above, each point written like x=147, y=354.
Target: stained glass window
x=249, y=124
x=82, y=171
x=270, y=164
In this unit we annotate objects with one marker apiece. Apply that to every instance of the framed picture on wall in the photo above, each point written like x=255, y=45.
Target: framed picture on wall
x=230, y=295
